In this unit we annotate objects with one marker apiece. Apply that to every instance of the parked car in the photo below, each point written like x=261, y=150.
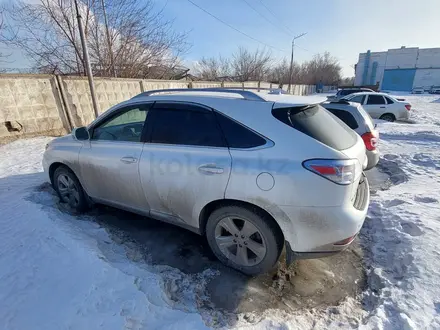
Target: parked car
x=435, y=90
x=381, y=105
x=253, y=172
x=347, y=91
x=360, y=121
x=418, y=90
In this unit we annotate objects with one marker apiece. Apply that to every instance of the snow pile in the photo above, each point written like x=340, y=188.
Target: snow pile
x=401, y=235
x=58, y=272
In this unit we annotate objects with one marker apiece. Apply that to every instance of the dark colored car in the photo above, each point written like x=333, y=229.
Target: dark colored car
x=347, y=91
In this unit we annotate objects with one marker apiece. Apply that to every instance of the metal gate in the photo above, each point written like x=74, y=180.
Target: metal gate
x=398, y=79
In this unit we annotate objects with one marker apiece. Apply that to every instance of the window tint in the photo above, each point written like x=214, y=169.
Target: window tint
x=319, y=124
x=346, y=117
x=389, y=101
x=375, y=99
x=126, y=126
x=358, y=99
x=345, y=92
x=238, y=136
x=185, y=127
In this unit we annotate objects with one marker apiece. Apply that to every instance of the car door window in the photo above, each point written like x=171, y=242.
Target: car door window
x=184, y=126
x=346, y=117
x=358, y=99
x=375, y=99
x=127, y=125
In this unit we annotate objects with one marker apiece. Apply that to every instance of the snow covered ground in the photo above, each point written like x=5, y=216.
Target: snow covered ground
x=61, y=271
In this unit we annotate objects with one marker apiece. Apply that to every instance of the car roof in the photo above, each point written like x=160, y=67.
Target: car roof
x=206, y=97
x=370, y=93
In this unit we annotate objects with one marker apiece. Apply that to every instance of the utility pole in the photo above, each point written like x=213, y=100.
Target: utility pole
x=107, y=32
x=86, y=60
x=291, y=60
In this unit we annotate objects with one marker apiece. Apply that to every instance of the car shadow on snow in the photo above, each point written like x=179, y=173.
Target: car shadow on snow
x=188, y=268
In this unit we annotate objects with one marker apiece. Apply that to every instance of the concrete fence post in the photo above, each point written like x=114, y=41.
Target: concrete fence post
x=141, y=83
x=222, y=84
x=63, y=102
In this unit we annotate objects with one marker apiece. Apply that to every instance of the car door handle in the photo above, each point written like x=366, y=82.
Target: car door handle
x=128, y=160
x=210, y=169
x=382, y=107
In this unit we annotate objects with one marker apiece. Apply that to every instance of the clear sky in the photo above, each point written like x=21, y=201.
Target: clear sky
x=345, y=28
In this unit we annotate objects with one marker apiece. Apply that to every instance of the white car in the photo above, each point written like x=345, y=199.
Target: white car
x=381, y=105
x=252, y=172
x=418, y=90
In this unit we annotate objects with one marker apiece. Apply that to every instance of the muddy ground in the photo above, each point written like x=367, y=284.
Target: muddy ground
x=305, y=284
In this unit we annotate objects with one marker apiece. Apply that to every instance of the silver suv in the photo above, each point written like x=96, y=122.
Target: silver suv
x=355, y=117
x=253, y=172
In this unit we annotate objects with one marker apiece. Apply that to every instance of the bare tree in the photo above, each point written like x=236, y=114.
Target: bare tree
x=249, y=65
x=322, y=68
x=213, y=68
x=125, y=38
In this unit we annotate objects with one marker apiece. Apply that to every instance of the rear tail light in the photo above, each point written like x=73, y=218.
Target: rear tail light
x=338, y=171
x=370, y=140
x=408, y=106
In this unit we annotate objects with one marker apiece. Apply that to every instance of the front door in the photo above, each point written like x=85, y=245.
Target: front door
x=109, y=162
x=375, y=105
x=185, y=162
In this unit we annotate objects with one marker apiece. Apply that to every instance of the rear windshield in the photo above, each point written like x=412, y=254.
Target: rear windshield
x=319, y=124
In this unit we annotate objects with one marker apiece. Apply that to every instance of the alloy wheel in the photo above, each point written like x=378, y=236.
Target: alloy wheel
x=240, y=241
x=68, y=190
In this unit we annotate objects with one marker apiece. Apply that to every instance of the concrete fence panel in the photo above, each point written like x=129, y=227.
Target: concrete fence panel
x=30, y=105
x=153, y=84
x=264, y=84
x=52, y=105
x=233, y=84
x=205, y=84
x=108, y=93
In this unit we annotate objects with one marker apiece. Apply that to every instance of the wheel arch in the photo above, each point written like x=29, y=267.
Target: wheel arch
x=214, y=205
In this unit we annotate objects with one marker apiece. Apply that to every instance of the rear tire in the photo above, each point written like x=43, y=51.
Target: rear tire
x=69, y=189
x=388, y=117
x=243, y=239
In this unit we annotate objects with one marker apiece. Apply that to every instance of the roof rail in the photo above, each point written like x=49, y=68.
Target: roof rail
x=246, y=94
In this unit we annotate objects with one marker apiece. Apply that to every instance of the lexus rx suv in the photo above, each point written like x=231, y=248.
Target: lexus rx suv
x=253, y=172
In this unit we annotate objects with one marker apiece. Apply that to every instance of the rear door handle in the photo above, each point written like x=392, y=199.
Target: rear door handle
x=382, y=107
x=128, y=160
x=210, y=169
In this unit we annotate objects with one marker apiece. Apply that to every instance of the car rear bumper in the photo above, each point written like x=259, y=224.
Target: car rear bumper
x=373, y=159
x=324, y=231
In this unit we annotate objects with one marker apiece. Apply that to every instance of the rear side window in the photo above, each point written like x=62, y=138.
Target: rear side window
x=389, y=101
x=346, y=117
x=237, y=135
x=375, y=99
x=319, y=124
x=185, y=127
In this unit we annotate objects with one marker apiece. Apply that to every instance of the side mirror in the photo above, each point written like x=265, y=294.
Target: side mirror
x=81, y=133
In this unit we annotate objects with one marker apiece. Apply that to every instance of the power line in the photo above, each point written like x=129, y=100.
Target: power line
x=233, y=28
x=274, y=15
x=265, y=18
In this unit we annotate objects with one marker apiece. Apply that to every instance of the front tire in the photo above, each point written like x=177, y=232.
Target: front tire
x=69, y=189
x=243, y=239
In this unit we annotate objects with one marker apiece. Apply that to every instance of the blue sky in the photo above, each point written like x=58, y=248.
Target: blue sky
x=342, y=27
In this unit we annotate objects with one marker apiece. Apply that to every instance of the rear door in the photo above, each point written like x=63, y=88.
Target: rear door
x=375, y=105
x=185, y=163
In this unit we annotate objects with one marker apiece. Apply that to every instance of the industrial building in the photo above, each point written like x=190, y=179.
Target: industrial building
x=399, y=69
